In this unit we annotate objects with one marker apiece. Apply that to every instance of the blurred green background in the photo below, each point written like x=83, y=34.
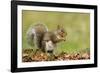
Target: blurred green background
x=77, y=26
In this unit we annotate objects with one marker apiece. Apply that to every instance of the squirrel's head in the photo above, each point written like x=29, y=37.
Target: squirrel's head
x=61, y=33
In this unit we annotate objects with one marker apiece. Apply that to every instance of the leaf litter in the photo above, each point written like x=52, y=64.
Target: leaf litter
x=28, y=55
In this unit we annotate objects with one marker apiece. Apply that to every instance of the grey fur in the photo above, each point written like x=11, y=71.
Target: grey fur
x=35, y=35
x=39, y=36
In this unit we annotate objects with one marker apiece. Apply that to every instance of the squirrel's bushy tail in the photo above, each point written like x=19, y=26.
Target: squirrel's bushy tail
x=35, y=34
x=30, y=37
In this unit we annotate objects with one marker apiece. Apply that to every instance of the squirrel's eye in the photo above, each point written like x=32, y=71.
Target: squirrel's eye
x=62, y=30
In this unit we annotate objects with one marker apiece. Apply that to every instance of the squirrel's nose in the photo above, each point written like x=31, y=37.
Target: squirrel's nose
x=64, y=39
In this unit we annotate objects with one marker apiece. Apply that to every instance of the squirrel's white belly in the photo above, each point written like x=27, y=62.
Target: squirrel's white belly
x=49, y=46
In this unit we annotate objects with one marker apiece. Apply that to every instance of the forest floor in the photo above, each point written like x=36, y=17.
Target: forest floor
x=28, y=55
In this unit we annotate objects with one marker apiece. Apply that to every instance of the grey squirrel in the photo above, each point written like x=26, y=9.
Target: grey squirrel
x=39, y=36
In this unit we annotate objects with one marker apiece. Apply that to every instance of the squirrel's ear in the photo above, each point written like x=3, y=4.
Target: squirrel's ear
x=58, y=26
